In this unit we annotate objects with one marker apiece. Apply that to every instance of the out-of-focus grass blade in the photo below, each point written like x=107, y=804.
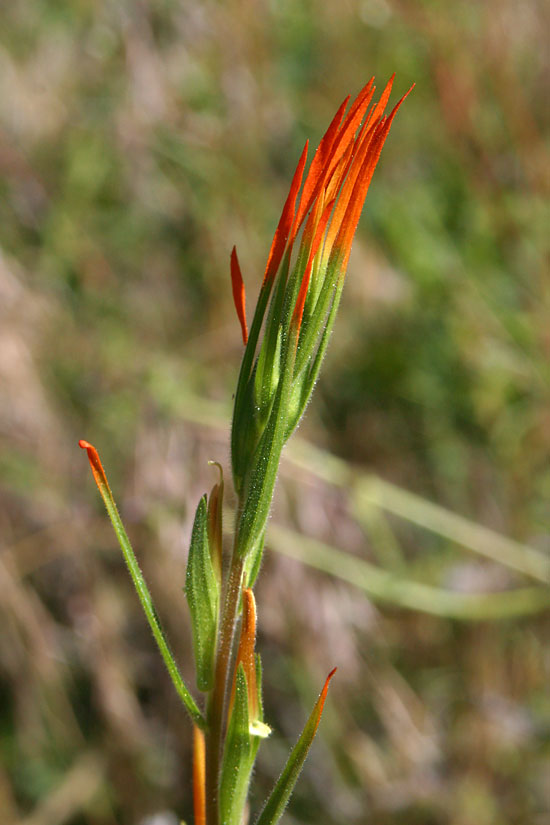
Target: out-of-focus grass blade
x=388, y=587
x=278, y=799
x=370, y=489
x=140, y=584
x=367, y=488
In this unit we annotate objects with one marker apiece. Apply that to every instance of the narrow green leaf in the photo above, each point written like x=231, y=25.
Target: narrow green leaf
x=239, y=753
x=140, y=584
x=203, y=595
x=278, y=799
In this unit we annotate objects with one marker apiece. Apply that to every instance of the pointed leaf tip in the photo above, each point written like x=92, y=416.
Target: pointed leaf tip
x=278, y=799
x=322, y=697
x=95, y=463
x=239, y=296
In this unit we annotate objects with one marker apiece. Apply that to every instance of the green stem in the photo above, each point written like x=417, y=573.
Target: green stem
x=217, y=698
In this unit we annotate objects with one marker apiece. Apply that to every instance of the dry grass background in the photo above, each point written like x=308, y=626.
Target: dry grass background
x=138, y=142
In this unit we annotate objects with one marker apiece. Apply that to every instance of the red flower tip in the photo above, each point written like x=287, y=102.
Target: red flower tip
x=239, y=296
x=321, y=700
x=95, y=463
x=282, y=232
x=325, y=688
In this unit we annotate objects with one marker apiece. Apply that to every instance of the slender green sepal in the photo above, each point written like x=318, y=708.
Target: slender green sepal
x=329, y=295
x=268, y=364
x=203, y=595
x=305, y=384
x=244, y=427
x=141, y=585
x=278, y=800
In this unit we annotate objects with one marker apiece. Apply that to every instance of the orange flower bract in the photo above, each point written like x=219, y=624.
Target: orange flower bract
x=332, y=194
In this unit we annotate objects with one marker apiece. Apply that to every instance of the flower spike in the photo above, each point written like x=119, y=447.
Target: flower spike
x=299, y=299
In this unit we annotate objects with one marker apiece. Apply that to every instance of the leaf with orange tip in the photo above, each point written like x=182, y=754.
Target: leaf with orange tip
x=239, y=296
x=278, y=799
x=140, y=583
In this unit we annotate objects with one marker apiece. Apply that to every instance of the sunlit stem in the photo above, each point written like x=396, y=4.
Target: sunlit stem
x=217, y=698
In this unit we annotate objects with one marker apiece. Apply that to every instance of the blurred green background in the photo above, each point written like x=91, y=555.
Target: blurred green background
x=138, y=142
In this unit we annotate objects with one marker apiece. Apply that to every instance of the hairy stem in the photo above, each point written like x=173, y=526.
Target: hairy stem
x=216, y=701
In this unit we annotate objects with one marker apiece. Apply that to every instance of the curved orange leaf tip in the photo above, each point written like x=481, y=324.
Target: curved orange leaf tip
x=95, y=463
x=246, y=655
x=239, y=296
x=319, y=705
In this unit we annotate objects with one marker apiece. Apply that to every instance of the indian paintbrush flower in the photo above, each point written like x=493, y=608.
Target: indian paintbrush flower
x=288, y=337
x=297, y=303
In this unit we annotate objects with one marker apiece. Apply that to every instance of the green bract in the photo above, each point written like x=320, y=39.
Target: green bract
x=241, y=747
x=203, y=595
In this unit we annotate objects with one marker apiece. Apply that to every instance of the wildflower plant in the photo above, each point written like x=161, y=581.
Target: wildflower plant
x=284, y=350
